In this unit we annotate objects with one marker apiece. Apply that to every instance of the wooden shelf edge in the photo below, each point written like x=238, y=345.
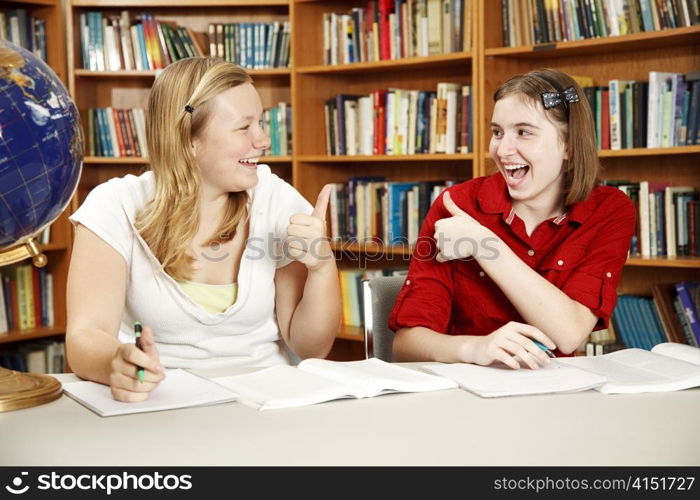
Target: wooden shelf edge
x=675, y=150
x=370, y=247
x=677, y=262
x=88, y=73
x=180, y=3
x=384, y=158
x=39, y=3
x=34, y=333
x=131, y=160
x=610, y=42
x=407, y=62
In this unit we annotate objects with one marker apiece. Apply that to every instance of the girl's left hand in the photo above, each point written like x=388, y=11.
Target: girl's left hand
x=460, y=236
x=307, y=240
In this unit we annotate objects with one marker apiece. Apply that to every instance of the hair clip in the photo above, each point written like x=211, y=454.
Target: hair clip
x=553, y=99
x=189, y=109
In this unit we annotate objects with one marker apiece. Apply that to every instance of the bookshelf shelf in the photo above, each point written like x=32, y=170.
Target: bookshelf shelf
x=371, y=247
x=86, y=73
x=622, y=43
x=35, y=2
x=107, y=160
x=34, y=333
x=677, y=262
x=384, y=158
x=178, y=3
x=393, y=64
x=682, y=150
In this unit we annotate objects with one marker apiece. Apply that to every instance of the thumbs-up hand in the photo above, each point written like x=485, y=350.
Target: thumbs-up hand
x=459, y=236
x=307, y=240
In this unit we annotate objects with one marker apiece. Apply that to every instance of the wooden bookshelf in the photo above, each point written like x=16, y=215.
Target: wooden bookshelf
x=58, y=250
x=628, y=57
x=309, y=83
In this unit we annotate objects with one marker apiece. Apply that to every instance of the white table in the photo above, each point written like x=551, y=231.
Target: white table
x=450, y=427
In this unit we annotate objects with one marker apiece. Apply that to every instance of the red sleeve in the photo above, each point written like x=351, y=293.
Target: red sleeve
x=426, y=297
x=594, y=281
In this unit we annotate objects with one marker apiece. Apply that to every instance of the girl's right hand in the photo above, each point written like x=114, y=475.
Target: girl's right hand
x=123, y=379
x=510, y=341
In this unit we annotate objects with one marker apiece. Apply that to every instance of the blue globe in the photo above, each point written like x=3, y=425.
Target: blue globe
x=41, y=145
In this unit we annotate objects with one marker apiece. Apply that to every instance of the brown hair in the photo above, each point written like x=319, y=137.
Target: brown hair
x=574, y=122
x=179, y=108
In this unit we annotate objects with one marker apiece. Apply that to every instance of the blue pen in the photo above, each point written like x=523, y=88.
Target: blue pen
x=544, y=348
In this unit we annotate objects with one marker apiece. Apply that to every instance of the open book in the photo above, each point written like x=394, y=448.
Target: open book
x=179, y=389
x=318, y=380
x=499, y=380
x=668, y=367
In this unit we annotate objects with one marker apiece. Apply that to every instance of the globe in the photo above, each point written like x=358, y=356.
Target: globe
x=41, y=145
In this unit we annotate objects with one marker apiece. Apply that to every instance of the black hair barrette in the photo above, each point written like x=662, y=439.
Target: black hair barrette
x=189, y=109
x=553, y=99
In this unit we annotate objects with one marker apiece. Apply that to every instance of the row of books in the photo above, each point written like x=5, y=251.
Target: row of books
x=394, y=29
x=668, y=220
x=24, y=30
x=116, y=132
x=251, y=45
x=399, y=122
x=26, y=298
x=37, y=356
x=114, y=43
x=663, y=112
x=353, y=310
x=527, y=22
x=370, y=208
x=670, y=315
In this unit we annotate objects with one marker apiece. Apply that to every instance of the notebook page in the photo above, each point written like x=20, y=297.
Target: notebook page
x=282, y=387
x=371, y=377
x=499, y=380
x=684, y=352
x=179, y=389
x=638, y=370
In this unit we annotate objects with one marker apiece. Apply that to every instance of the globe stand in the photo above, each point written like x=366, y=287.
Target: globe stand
x=17, y=389
x=23, y=251
x=23, y=390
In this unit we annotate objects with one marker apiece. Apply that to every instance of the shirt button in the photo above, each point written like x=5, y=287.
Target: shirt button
x=531, y=252
x=560, y=262
x=408, y=282
x=481, y=273
x=609, y=275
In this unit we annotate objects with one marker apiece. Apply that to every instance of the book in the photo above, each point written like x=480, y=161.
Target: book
x=497, y=380
x=667, y=367
x=319, y=380
x=179, y=389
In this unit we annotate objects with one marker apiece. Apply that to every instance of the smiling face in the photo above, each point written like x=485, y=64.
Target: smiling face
x=228, y=149
x=528, y=151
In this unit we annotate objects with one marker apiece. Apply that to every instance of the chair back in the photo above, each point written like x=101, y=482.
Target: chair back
x=379, y=295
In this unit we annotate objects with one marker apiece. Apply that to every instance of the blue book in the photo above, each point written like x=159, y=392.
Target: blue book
x=687, y=291
x=394, y=192
x=353, y=182
x=631, y=321
x=620, y=324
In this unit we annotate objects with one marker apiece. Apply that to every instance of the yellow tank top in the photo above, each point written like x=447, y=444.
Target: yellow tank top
x=214, y=299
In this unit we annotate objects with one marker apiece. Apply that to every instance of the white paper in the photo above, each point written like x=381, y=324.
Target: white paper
x=179, y=389
x=499, y=380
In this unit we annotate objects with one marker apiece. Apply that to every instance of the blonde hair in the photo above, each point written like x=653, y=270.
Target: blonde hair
x=179, y=108
x=576, y=127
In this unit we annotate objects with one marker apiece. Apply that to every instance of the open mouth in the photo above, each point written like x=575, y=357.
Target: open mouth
x=516, y=171
x=249, y=162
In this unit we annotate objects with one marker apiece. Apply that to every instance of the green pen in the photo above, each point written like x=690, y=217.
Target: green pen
x=137, y=334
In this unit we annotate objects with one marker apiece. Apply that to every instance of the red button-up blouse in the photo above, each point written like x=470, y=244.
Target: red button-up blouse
x=581, y=252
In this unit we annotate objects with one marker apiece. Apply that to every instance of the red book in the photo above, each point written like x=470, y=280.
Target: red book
x=605, y=119
x=379, y=99
x=385, y=8
x=118, y=128
x=15, y=304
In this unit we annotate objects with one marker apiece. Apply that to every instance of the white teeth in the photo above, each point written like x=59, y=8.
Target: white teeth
x=251, y=161
x=515, y=166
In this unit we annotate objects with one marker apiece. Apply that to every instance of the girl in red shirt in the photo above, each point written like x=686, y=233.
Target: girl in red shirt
x=531, y=253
